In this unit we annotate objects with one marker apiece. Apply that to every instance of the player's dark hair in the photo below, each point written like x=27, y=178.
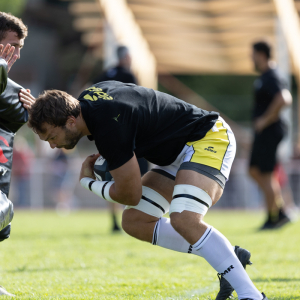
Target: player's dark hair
x=52, y=107
x=8, y=22
x=263, y=47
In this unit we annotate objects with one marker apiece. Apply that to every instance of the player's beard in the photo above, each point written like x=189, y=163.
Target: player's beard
x=71, y=139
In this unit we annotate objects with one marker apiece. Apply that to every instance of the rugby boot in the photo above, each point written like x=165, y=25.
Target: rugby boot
x=268, y=225
x=225, y=287
x=3, y=291
x=282, y=219
x=264, y=297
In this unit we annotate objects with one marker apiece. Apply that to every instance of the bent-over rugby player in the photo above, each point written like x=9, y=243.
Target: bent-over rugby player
x=192, y=149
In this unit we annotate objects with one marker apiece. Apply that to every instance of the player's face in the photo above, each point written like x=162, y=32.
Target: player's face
x=60, y=137
x=255, y=59
x=12, y=39
x=259, y=60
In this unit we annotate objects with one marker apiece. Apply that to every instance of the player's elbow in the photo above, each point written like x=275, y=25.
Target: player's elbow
x=287, y=98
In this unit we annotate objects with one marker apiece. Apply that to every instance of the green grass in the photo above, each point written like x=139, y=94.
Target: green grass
x=75, y=257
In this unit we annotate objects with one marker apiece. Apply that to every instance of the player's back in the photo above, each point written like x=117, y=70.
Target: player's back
x=157, y=124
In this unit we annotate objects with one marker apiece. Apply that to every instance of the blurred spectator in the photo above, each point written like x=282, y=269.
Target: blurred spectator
x=21, y=167
x=121, y=73
x=63, y=182
x=270, y=97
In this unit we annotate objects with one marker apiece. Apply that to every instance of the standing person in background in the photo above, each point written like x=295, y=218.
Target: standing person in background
x=270, y=98
x=21, y=167
x=121, y=73
x=12, y=113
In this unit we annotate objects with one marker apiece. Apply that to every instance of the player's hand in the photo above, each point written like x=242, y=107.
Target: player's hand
x=87, y=169
x=26, y=98
x=7, y=54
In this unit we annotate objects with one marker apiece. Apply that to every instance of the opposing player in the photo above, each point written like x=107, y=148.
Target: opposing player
x=13, y=113
x=192, y=148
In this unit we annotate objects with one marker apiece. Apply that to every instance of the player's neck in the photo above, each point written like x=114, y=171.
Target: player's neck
x=264, y=67
x=81, y=125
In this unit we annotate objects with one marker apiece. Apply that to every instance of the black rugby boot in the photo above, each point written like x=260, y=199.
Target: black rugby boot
x=225, y=287
x=264, y=297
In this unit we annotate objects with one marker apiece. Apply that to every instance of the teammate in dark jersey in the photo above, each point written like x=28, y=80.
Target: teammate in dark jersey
x=271, y=96
x=193, y=149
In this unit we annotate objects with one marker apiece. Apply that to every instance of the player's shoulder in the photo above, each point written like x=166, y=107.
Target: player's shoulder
x=96, y=92
x=274, y=78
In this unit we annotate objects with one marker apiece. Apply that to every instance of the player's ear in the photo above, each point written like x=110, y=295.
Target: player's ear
x=71, y=122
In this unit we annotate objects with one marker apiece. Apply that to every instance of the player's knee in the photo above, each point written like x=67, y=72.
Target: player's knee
x=128, y=221
x=253, y=172
x=177, y=221
x=131, y=221
x=188, y=198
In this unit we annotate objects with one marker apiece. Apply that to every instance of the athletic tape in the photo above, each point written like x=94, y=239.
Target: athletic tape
x=190, y=198
x=152, y=203
x=100, y=188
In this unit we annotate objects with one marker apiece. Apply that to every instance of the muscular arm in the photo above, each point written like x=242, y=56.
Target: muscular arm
x=127, y=188
x=281, y=99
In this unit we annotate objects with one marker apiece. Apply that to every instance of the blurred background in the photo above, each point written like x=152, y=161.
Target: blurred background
x=196, y=50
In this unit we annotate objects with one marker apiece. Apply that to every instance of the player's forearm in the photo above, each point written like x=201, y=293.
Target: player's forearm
x=281, y=100
x=107, y=190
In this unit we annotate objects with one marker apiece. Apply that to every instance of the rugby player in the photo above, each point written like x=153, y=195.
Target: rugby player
x=192, y=148
x=13, y=113
x=271, y=96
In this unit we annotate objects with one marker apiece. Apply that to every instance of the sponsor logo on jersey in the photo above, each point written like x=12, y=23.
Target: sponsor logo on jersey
x=116, y=118
x=227, y=270
x=96, y=93
x=210, y=149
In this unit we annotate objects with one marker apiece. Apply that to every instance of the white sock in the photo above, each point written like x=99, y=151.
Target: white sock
x=166, y=236
x=218, y=252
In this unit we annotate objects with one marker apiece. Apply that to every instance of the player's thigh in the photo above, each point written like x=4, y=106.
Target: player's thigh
x=159, y=183
x=139, y=221
x=208, y=185
x=201, y=179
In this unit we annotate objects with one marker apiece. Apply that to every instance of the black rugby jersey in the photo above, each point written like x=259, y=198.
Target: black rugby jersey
x=125, y=119
x=265, y=89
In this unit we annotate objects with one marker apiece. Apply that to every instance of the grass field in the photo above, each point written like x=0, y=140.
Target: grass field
x=75, y=257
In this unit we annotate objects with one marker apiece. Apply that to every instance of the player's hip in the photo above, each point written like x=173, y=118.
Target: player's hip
x=212, y=155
